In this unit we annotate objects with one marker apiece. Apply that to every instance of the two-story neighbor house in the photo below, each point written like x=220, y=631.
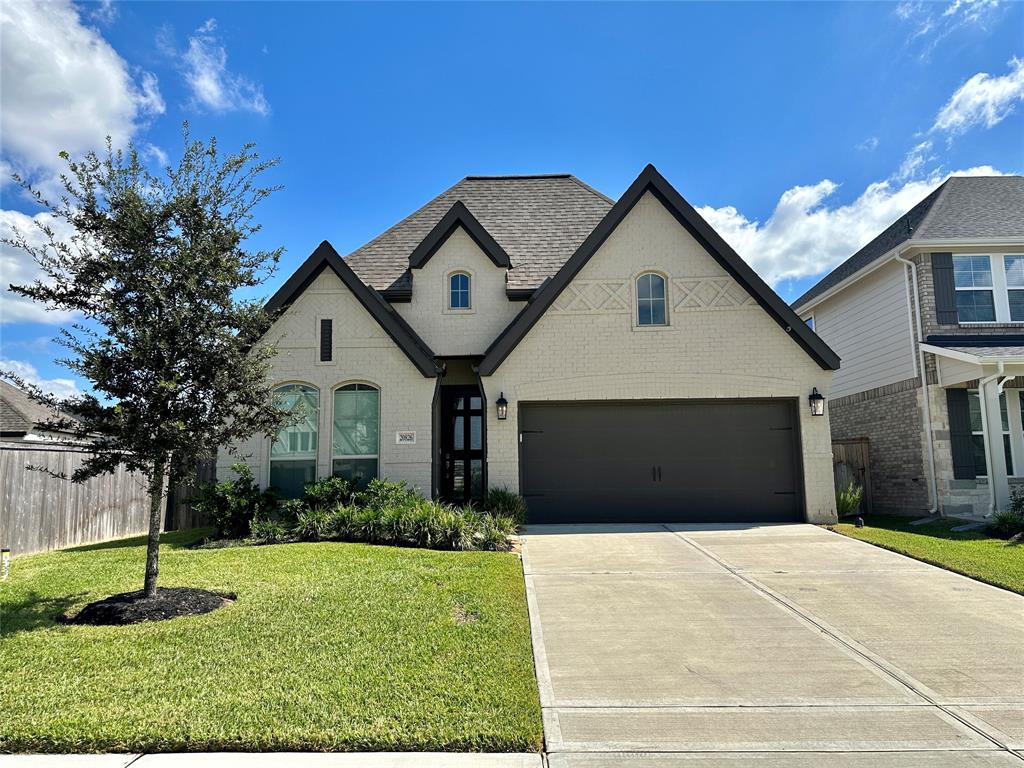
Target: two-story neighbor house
x=610, y=360
x=929, y=321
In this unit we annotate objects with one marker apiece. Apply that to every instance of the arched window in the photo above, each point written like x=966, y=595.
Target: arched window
x=355, y=448
x=293, y=452
x=459, y=291
x=650, y=300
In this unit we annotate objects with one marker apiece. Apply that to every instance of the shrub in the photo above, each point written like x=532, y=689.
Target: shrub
x=288, y=511
x=505, y=503
x=381, y=494
x=328, y=492
x=314, y=524
x=1008, y=523
x=268, y=531
x=232, y=505
x=495, y=531
x=848, y=499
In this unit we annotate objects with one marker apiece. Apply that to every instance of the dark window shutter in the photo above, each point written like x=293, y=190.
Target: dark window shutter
x=945, y=292
x=960, y=437
x=326, y=340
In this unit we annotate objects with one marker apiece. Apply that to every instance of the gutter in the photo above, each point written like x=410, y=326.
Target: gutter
x=919, y=363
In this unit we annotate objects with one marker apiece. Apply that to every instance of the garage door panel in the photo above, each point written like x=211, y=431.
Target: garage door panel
x=657, y=461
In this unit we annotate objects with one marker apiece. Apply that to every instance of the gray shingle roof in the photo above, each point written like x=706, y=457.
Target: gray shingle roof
x=538, y=220
x=18, y=412
x=961, y=208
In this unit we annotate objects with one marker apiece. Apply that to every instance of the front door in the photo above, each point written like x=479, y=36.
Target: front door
x=462, y=444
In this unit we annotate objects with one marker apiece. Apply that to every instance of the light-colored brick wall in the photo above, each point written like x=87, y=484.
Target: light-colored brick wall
x=718, y=344
x=459, y=332
x=363, y=352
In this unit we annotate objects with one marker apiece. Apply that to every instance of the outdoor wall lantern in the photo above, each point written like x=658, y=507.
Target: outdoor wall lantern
x=502, y=404
x=817, y=401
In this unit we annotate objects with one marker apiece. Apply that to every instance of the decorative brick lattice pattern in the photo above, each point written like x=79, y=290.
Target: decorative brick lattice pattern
x=589, y=296
x=709, y=293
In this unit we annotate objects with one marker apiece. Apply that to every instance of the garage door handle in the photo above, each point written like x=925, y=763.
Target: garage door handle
x=659, y=474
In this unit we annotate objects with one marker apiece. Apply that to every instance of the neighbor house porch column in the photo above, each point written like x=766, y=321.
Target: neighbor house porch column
x=993, y=430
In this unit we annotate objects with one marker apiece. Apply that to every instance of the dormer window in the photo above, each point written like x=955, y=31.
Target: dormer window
x=459, y=291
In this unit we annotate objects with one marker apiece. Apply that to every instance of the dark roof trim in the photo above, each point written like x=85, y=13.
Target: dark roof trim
x=397, y=295
x=650, y=180
x=458, y=216
x=519, y=294
x=325, y=256
x=976, y=340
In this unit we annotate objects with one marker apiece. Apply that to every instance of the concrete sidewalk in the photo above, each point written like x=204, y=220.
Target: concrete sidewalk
x=283, y=759
x=783, y=645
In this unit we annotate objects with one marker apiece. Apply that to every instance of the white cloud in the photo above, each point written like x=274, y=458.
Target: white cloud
x=105, y=11
x=915, y=160
x=212, y=84
x=982, y=100
x=65, y=87
x=931, y=23
x=17, y=267
x=804, y=236
x=60, y=387
x=870, y=144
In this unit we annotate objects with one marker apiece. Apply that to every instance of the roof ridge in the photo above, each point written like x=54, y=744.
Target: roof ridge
x=519, y=176
x=591, y=189
x=941, y=190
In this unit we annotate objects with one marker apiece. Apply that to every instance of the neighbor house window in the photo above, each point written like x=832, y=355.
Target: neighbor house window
x=978, y=436
x=809, y=322
x=989, y=289
x=355, y=448
x=650, y=300
x=458, y=291
x=293, y=452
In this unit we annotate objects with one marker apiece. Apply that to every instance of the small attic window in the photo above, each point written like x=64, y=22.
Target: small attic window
x=459, y=291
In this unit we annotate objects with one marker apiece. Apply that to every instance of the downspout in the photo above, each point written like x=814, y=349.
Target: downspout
x=933, y=487
x=1000, y=369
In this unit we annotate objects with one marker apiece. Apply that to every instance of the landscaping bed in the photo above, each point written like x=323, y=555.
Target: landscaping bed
x=327, y=646
x=975, y=553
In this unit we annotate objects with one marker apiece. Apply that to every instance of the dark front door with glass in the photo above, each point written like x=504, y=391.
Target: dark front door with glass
x=462, y=444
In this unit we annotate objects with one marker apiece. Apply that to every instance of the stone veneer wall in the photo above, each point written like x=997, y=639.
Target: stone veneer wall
x=890, y=418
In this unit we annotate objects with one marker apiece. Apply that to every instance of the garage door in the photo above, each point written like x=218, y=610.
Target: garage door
x=661, y=461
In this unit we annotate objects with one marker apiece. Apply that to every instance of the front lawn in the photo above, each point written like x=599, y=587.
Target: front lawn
x=972, y=553
x=329, y=646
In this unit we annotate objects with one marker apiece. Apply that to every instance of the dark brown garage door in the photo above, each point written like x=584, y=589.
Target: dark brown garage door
x=661, y=461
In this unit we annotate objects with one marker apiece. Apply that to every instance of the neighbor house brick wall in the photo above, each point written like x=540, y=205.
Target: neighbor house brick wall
x=719, y=344
x=890, y=418
x=362, y=352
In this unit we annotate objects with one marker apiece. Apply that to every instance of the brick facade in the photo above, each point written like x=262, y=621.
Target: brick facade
x=890, y=418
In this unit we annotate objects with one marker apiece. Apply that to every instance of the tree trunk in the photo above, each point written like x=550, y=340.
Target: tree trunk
x=156, y=509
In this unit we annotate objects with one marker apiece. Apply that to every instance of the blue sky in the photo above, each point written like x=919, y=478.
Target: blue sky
x=799, y=130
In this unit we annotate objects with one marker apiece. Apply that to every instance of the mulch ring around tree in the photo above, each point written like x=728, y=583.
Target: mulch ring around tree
x=135, y=607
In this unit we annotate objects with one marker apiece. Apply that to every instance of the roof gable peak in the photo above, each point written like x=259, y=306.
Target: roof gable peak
x=458, y=216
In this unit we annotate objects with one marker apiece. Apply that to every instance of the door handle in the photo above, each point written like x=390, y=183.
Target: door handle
x=659, y=474
x=654, y=474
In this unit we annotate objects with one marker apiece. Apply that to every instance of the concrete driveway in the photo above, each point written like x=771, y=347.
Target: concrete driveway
x=781, y=645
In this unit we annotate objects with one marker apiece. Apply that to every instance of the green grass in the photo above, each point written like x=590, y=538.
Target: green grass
x=972, y=553
x=329, y=646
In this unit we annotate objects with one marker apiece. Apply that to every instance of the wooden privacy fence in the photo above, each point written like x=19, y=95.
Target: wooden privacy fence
x=851, y=461
x=40, y=512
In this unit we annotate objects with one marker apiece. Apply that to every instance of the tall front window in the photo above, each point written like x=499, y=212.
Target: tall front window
x=978, y=435
x=293, y=452
x=355, y=448
x=458, y=291
x=989, y=289
x=650, y=300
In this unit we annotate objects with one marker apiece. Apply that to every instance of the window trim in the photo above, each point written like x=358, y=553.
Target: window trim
x=637, y=325
x=1015, y=430
x=334, y=457
x=469, y=290
x=999, y=289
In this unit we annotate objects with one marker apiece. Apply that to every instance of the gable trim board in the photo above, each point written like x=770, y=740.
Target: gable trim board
x=419, y=354
x=458, y=216
x=650, y=180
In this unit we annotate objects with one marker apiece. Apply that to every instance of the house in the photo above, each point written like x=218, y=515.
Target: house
x=929, y=321
x=610, y=360
x=24, y=419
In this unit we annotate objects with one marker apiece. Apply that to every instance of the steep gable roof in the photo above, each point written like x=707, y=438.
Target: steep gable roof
x=458, y=216
x=650, y=180
x=538, y=221
x=961, y=208
x=326, y=257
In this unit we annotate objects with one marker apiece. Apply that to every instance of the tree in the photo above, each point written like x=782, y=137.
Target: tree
x=153, y=267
